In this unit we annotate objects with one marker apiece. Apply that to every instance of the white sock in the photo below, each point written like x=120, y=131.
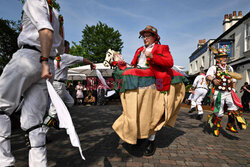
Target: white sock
x=151, y=137
x=200, y=112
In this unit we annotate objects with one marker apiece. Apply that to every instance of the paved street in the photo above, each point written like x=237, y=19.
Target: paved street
x=188, y=144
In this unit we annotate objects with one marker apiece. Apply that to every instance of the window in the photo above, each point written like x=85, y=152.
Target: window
x=247, y=37
x=190, y=69
x=202, y=61
x=232, y=37
x=196, y=65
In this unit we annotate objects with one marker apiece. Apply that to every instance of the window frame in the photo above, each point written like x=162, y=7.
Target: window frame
x=247, y=36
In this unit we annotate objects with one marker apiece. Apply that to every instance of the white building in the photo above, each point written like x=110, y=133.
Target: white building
x=200, y=57
x=236, y=39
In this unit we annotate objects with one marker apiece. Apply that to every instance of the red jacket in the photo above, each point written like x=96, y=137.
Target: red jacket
x=161, y=64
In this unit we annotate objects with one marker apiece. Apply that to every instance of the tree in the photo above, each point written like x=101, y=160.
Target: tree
x=98, y=39
x=77, y=50
x=9, y=31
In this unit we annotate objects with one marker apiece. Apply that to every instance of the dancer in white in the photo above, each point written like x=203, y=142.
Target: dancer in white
x=61, y=64
x=224, y=82
x=201, y=89
x=26, y=75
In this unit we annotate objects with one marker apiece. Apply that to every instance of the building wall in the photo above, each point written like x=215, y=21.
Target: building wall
x=238, y=46
x=239, y=52
x=202, y=60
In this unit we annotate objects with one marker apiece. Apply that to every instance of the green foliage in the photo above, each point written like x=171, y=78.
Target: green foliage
x=188, y=87
x=77, y=50
x=56, y=5
x=9, y=31
x=98, y=39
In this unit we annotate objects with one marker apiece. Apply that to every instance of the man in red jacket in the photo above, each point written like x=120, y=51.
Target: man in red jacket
x=155, y=56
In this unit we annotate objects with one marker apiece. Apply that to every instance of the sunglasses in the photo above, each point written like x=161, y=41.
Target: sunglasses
x=147, y=35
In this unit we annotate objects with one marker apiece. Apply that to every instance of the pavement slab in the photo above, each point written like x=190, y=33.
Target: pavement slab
x=189, y=143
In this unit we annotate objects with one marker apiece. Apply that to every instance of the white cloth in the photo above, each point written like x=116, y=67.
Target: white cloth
x=212, y=70
x=66, y=61
x=110, y=93
x=226, y=98
x=36, y=17
x=200, y=82
x=64, y=117
x=100, y=77
x=142, y=59
x=64, y=95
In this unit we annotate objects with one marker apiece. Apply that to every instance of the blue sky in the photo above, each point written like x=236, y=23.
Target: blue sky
x=180, y=23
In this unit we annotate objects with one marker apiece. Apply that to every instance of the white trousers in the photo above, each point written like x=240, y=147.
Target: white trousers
x=65, y=96
x=198, y=97
x=191, y=96
x=226, y=98
x=22, y=76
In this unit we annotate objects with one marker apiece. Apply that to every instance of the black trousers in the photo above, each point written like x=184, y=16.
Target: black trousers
x=245, y=102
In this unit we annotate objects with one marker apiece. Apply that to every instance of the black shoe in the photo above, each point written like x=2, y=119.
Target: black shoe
x=150, y=148
x=191, y=110
x=199, y=117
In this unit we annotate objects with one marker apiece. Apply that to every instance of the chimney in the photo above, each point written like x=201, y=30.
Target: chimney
x=226, y=23
x=201, y=43
x=240, y=15
x=231, y=19
x=234, y=18
x=234, y=13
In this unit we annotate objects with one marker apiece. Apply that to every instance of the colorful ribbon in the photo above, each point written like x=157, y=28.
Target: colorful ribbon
x=50, y=9
x=60, y=18
x=58, y=59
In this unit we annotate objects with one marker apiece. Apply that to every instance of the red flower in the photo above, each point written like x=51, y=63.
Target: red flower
x=114, y=63
x=148, y=59
x=122, y=65
x=58, y=58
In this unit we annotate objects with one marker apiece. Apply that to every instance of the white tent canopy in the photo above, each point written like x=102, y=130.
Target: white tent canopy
x=105, y=71
x=76, y=77
x=180, y=69
x=80, y=73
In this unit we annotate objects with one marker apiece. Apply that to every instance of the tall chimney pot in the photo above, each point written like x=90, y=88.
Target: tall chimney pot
x=230, y=16
x=240, y=13
x=226, y=16
x=226, y=23
x=234, y=13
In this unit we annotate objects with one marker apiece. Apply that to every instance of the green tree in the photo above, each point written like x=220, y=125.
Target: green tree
x=97, y=40
x=77, y=50
x=9, y=31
